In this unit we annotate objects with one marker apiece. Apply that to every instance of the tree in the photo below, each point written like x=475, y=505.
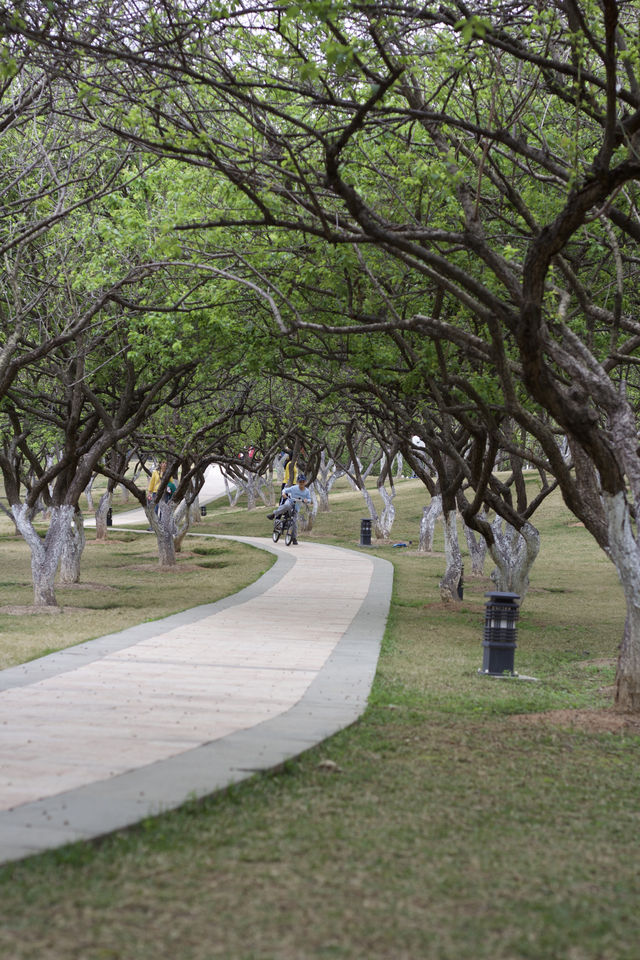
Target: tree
x=491, y=151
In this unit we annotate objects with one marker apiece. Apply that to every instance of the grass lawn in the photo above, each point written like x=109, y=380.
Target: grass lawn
x=465, y=819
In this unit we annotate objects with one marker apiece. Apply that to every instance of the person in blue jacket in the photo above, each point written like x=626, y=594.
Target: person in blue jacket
x=292, y=498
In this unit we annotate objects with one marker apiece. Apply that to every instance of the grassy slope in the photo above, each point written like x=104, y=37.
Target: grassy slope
x=453, y=829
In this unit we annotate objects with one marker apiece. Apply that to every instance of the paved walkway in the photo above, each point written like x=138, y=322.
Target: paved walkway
x=101, y=735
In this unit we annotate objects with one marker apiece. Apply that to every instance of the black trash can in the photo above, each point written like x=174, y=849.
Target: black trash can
x=203, y=511
x=109, y=517
x=500, y=634
x=365, y=533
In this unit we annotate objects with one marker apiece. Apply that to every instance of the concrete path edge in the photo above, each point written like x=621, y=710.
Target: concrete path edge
x=334, y=700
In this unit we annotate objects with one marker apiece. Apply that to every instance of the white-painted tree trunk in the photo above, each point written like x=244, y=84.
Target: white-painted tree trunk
x=45, y=554
x=163, y=525
x=305, y=520
x=453, y=558
x=328, y=473
x=278, y=466
x=182, y=522
x=373, y=513
x=315, y=503
x=233, y=493
x=165, y=530
x=514, y=553
x=388, y=514
x=477, y=547
x=430, y=514
x=625, y=553
x=253, y=484
x=72, y=549
x=88, y=493
x=101, y=516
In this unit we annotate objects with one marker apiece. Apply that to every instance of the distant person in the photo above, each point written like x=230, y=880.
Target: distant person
x=169, y=490
x=292, y=498
x=154, y=484
x=290, y=474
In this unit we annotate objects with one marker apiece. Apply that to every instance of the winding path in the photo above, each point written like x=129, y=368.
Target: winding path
x=101, y=735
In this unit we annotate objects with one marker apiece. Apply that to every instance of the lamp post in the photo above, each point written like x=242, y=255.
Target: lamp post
x=500, y=634
x=365, y=533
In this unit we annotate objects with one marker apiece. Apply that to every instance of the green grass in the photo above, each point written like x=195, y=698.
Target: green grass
x=121, y=585
x=453, y=828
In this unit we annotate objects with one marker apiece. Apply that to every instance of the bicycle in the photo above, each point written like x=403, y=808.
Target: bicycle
x=283, y=524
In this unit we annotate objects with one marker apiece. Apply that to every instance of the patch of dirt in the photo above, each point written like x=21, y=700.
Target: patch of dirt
x=16, y=610
x=588, y=721
x=156, y=568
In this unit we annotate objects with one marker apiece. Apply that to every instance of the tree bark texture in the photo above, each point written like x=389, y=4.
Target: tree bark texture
x=625, y=554
x=72, y=550
x=430, y=514
x=453, y=557
x=45, y=554
x=477, y=547
x=514, y=553
x=182, y=521
x=101, y=516
x=165, y=530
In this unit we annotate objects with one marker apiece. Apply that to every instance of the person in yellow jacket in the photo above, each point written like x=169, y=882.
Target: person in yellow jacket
x=290, y=474
x=154, y=481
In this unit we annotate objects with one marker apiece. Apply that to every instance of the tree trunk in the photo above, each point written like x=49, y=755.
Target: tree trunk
x=477, y=547
x=625, y=553
x=321, y=483
x=182, y=521
x=72, y=549
x=513, y=553
x=451, y=578
x=305, y=520
x=165, y=530
x=233, y=495
x=267, y=492
x=430, y=514
x=279, y=465
x=251, y=488
x=373, y=513
x=45, y=554
x=87, y=493
x=101, y=516
x=389, y=512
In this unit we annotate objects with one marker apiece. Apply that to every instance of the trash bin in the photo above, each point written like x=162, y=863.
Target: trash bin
x=109, y=517
x=203, y=511
x=500, y=634
x=365, y=533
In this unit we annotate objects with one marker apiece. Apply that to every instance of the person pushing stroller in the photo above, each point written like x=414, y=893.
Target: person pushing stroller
x=292, y=498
